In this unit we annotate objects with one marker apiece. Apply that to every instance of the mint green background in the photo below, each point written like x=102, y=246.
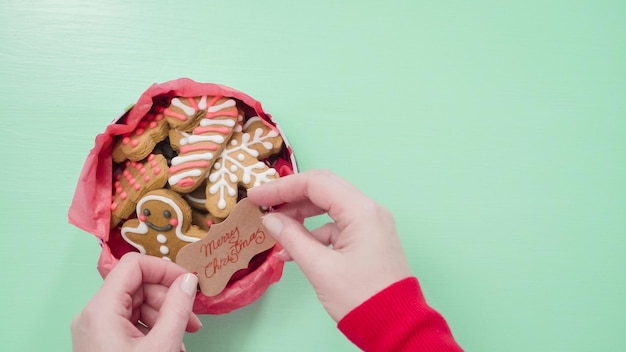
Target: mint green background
x=494, y=130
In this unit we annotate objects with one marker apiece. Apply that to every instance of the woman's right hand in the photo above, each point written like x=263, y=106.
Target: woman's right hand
x=347, y=260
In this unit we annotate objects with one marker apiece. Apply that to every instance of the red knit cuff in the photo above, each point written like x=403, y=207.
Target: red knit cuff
x=398, y=319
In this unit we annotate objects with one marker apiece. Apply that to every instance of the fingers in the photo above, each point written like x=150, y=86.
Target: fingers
x=123, y=283
x=132, y=271
x=300, y=210
x=149, y=316
x=154, y=296
x=322, y=188
x=326, y=234
x=304, y=248
x=169, y=327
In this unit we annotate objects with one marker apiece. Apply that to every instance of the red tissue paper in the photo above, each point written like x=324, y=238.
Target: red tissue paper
x=91, y=204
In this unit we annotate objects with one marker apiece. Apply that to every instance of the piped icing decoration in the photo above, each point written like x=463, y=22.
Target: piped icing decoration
x=240, y=164
x=198, y=149
x=132, y=181
x=136, y=145
x=163, y=225
x=184, y=113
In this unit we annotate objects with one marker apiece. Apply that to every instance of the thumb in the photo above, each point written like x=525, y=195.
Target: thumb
x=169, y=328
x=301, y=245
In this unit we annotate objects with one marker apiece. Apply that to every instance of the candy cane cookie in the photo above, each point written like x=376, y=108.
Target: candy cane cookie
x=198, y=149
x=183, y=113
x=163, y=225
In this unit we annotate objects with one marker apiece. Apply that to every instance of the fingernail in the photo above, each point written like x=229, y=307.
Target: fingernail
x=182, y=347
x=189, y=284
x=273, y=224
x=283, y=255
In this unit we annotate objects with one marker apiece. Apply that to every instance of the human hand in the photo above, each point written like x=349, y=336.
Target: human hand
x=365, y=254
x=144, y=304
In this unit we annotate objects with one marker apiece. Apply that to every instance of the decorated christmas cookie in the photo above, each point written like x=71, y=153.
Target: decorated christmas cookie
x=240, y=164
x=137, y=145
x=198, y=149
x=183, y=113
x=178, y=172
x=132, y=181
x=163, y=226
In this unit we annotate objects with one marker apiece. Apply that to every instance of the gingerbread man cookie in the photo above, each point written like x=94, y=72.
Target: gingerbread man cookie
x=240, y=165
x=132, y=181
x=138, y=144
x=163, y=226
x=198, y=149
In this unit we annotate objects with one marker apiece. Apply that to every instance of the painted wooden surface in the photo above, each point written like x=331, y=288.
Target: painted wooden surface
x=494, y=131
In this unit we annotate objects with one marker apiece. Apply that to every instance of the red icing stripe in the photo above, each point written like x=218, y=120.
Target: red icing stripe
x=189, y=165
x=185, y=182
x=194, y=148
x=174, y=114
x=200, y=130
x=214, y=100
x=233, y=113
x=193, y=104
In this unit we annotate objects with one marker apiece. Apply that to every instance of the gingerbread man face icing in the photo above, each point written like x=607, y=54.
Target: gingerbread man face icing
x=163, y=226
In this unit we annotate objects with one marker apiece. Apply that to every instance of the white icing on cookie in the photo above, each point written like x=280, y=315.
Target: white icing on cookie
x=142, y=229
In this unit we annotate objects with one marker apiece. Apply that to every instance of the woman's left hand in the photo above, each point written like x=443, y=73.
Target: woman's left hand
x=144, y=304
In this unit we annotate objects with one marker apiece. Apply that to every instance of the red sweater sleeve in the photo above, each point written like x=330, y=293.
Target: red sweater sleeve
x=398, y=319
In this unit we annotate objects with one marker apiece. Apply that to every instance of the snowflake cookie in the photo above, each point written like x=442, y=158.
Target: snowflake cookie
x=240, y=165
